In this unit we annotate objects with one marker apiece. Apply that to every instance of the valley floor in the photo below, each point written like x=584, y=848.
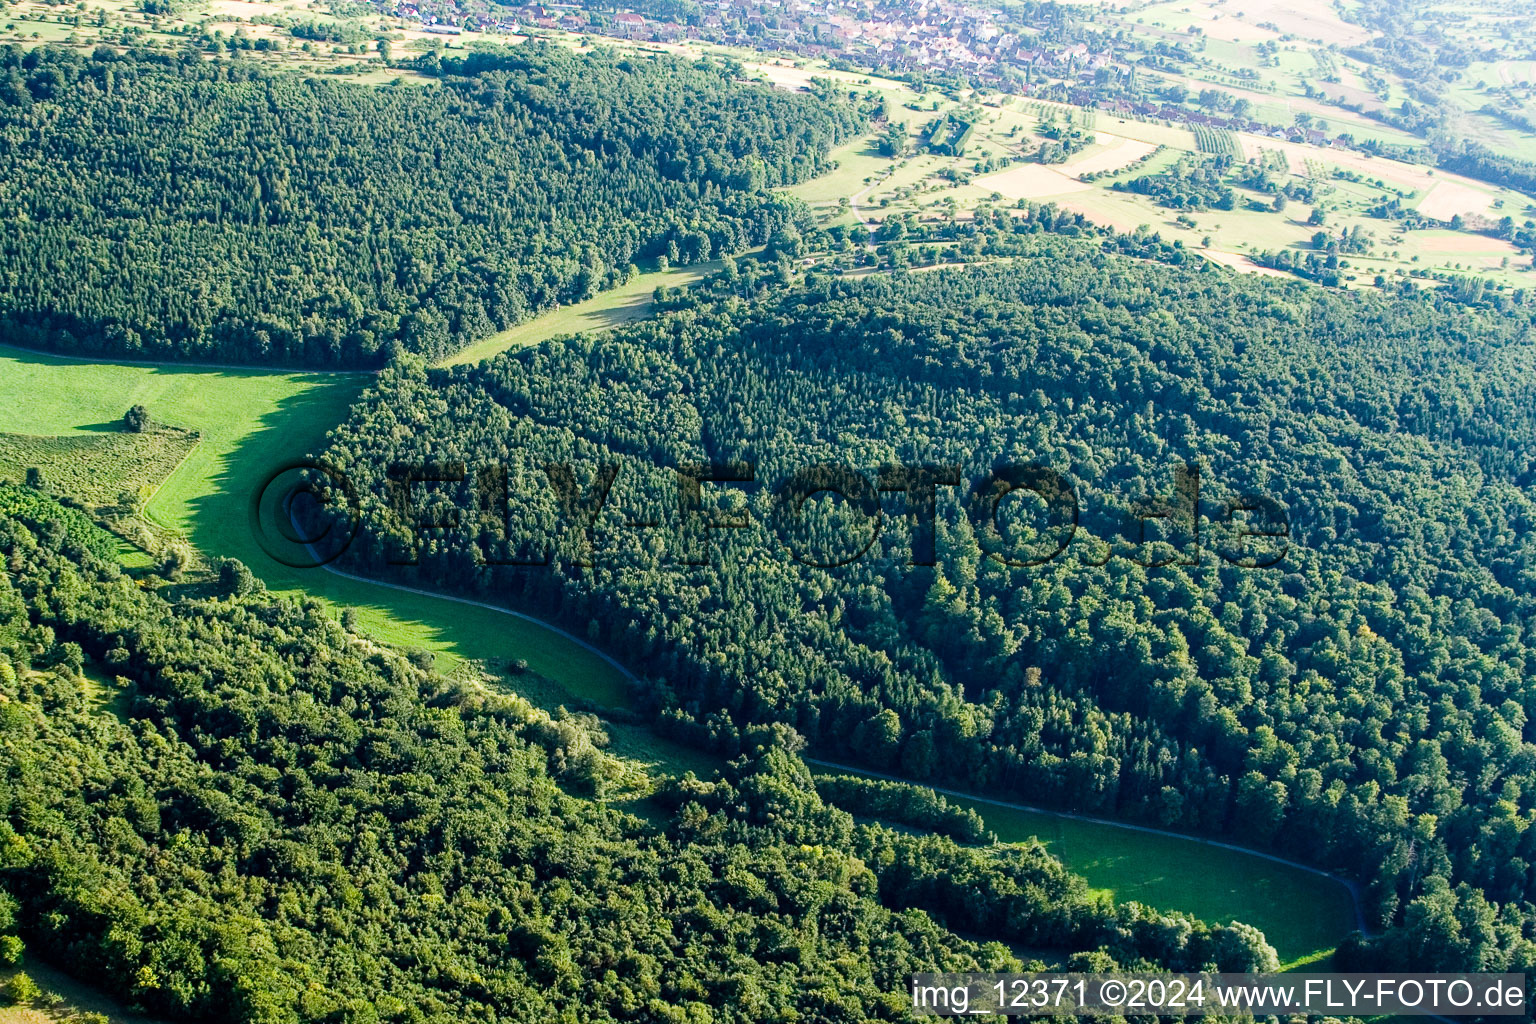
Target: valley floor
x=252, y=421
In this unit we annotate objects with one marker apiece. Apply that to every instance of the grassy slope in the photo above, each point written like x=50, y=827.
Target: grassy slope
x=252, y=423
x=607, y=309
x=1303, y=915
x=912, y=185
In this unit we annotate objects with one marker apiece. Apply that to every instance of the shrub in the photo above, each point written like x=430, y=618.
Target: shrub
x=21, y=989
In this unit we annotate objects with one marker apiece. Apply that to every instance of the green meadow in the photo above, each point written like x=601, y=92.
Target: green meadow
x=251, y=423
x=629, y=301
x=1304, y=915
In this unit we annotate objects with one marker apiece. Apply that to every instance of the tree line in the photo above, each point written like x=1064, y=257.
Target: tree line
x=183, y=208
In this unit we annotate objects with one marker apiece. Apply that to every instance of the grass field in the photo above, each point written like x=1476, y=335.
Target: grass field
x=929, y=185
x=250, y=424
x=1302, y=914
x=857, y=162
x=73, y=998
x=607, y=309
x=61, y=414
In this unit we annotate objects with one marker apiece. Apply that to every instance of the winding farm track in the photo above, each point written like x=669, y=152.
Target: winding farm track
x=1352, y=887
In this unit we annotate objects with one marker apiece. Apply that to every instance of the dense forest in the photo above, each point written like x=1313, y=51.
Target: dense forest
x=264, y=818
x=151, y=206
x=1363, y=703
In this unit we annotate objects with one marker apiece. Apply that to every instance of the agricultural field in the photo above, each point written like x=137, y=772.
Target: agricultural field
x=225, y=799
x=1314, y=21
x=1313, y=60
x=1306, y=43
x=998, y=168
x=1285, y=61
x=266, y=26
x=97, y=470
x=263, y=29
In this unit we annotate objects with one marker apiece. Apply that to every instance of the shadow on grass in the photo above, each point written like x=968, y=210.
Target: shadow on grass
x=218, y=520
x=104, y=427
x=220, y=525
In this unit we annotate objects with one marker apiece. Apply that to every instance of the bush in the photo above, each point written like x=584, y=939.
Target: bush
x=136, y=420
x=21, y=989
x=174, y=562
